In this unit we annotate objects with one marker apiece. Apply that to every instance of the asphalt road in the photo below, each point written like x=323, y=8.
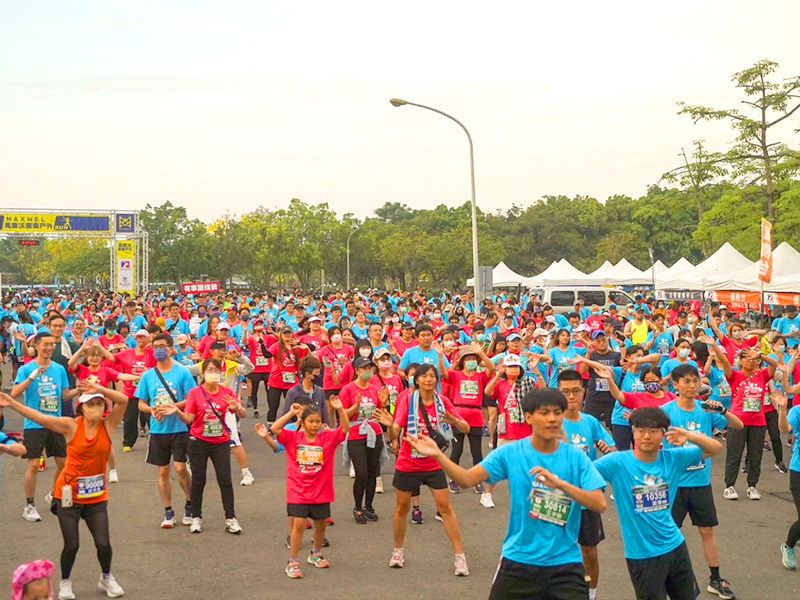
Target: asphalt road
x=154, y=564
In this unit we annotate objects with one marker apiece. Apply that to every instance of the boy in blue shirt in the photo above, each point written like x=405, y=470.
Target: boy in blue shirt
x=645, y=483
x=695, y=497
x=549, y=481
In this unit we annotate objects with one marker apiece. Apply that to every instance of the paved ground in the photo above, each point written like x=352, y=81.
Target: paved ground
x=153, y=564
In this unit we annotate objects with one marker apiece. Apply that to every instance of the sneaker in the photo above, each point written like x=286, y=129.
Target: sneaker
x=479, y=489
x=232, y=526
x=753, y=493
x=767, y=447
x=169, y=520
x=486, y=500
x=293, y=570
x=113, y=476
x=438, y=517
x=787, y=557
x=329, y=522
x=325, y=542
x=247, y=478
x=461, y=566
x=249, y=403
x=308, y=524
x=379, y=485
x=781, y=467
x=187, y=515
x=485, y=432
x=49, y=498
x=255, y=414
x=31, y=514
x=721, y=588
x=65, y=590
x=454, y=489
x=127, y=449
x=352, y=471
x=197, y=525
x=416, y=516
x=398, y=559
x=730, y=493
x=359, y=516
x=289, y=542
x=744, y=468
x=110, y=585
x=319, y=561
x=370, y=514
x=142, y=432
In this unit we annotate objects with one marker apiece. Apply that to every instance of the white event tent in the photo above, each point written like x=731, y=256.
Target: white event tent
x=623, y=273
x=558, y=273
x=502, y=276
x=785, y=270
x=726, y=269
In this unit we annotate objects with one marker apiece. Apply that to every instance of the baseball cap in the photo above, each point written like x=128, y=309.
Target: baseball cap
x=598, y=333
x=223, y=325
x=551, y=319
x=505, y=305
x=514, y=337
x=217, y=345
x=84, y=398
x=314, y=318
x=583, y=327
x=383, y=351
x=539, y=332
x=362, y=362
x=142, y=333
x=182, y=338
x=511, y=360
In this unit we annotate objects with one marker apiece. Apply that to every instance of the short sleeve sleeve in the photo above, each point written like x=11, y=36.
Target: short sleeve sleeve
x=589, y=476
x=405, y=361
x=686, y=457
x=496, y=464
x=606, y=465
x=143, y=389
x=401, y=411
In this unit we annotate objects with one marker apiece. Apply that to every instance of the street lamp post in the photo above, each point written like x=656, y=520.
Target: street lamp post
x=476, y=286
x=348, y=258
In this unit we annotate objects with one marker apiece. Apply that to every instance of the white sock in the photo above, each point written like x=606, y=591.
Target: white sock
x=592, y=593
x=398, y=550
x=246, y=471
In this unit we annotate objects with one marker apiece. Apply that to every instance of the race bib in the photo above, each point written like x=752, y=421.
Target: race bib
x=212, y=428
x=162, y=398
x=724, y=388
x=261, y=361
x=287, y=377
x=309, y=458
x=469, y=388
x=91, y=487
x=48, y=404
x=650, y=498
x=365, y=410
x=550, y=506
x=751, y=404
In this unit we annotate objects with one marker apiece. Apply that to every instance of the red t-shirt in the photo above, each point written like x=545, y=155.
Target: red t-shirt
x=335, y=359
x=206, y=426
x=467, y=394
x=309, y=465
x=516, y=429
x=283, y=372
x=393, y=383
x=407, y=460
x=317, y=342
x=204, y=343
x=734, y=349
x=257, y=357
x=107, y=343
x=134, y=364
x=367, y=401
x=103, y=376
x=634, y=400
x=595, y=322
x=747, y=400
x=401, y=345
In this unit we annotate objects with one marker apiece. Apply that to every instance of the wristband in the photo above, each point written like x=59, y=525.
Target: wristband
x=724, y=411
x=33, y=375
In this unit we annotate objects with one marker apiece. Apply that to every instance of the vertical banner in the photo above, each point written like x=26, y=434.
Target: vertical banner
x=765, y=263
x=126, y=257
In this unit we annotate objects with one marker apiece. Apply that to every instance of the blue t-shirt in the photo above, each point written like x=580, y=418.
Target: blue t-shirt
x=43, y=393
x=644, y=494
x=585, y=433
x=358, y=331
x=669, y=366
x=534, y=541
x=631, y=382
x=138, y=322
x=663, y=346
x=184, y=357
x=787, y=325
x=794, y=420
x=697, y=475
x=152, y=391
x=720, y=388
x=420, y=356
x=561, y=362
x=180, y=327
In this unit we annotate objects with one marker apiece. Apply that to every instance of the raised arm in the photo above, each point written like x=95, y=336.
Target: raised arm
x=66, y=426
x=721, y=357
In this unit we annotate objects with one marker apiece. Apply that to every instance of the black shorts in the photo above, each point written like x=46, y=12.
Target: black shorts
x=315, y=512
x=517, y=581
x=329, y=393
x=37, y=440
x=591, y=532
x=698, y=502
x=670, y=573
x=411, y=482
x=163, y=446
x=488, y=402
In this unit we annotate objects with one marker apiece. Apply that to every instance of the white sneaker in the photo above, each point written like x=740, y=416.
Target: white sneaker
x=486, y=500
x=113, y=477
x=31, y=514
x=232, y=526
x=49, y=498
x=65, y=590
x=730, y=493
x=461, y=566
x=169, y=520
x=398, y=559
x=247, y=478
x=352, y=471
x=110, y=585
x=379, y=485
x=753, y=493
x=197, y=525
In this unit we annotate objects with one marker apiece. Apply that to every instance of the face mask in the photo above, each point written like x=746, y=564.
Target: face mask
x=385, y=365
x=597, y=314
x=651, y=387
x=437, y=316
x=480, y=337
x=212, y=377
x=737, y=335
x=365, y=375
x=258, y=328
x=448, y=344
x=160, y=354
x=364, y=352
x=410, y=381
x=471, y=365
x=403, y=309
x=684, y=352
x=336, y=338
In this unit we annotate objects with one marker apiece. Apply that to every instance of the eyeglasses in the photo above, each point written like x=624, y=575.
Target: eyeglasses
x=572, y=393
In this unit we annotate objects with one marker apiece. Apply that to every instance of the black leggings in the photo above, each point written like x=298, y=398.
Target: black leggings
x=623, y=436
x=220, y=454
x=794, y=530
x=774, y=434
x=751, y=436
x=274, y=396
x=96, y=517
x=367, y=464
x=475, y=437
x=255, y=378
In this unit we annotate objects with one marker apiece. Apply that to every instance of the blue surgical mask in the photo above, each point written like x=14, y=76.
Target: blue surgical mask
x=480, y=337
x=684, y=352
x=160, y=354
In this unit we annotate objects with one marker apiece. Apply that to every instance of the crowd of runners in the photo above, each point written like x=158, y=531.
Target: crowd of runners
x=639, y=396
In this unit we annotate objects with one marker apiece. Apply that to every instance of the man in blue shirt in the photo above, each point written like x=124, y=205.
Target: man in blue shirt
x=175, y=325
x=548, y=481
x=169, y=436
x=424, y=352
x=789, y=327
x=646, y=483
x=694, y=488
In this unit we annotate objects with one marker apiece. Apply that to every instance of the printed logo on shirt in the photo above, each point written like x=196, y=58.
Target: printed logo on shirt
x=579, y=442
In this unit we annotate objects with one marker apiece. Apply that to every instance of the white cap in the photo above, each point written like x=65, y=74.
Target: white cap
x=142, y=332
x=511, y=360
x=223, y=325
x=83, y=398
x=182, y=338
x=539, y=332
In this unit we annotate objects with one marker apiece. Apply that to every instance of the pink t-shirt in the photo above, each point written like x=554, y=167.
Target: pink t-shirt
x=283, y=371
x=206, y=426
x=334, y=359
x=467, y=394
x=636, y=400
x=734, y=349
x=367, y=401
x=393, y=383
x=747, y=400
x=516, y=429
x=103, y=376
x=309, y=465
x=407, y=460
x=134, y=364
x=260, y=362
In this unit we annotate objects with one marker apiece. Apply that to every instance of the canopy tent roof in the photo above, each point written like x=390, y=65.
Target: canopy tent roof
x=558, y=273
x=623, y=273
x=657, y=268
x=726, y=269
x=682, y=266
x=785, y=270
x=600, y=270
x=502, y=276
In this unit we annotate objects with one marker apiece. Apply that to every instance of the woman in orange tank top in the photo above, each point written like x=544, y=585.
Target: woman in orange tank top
x=80, y=490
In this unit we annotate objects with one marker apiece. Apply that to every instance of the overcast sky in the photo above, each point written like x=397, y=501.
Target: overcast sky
x=230, y=105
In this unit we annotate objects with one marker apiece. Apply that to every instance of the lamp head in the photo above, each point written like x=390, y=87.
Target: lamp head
x=398, y=102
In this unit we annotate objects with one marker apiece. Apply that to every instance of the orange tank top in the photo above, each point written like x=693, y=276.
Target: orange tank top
x=85, y=468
